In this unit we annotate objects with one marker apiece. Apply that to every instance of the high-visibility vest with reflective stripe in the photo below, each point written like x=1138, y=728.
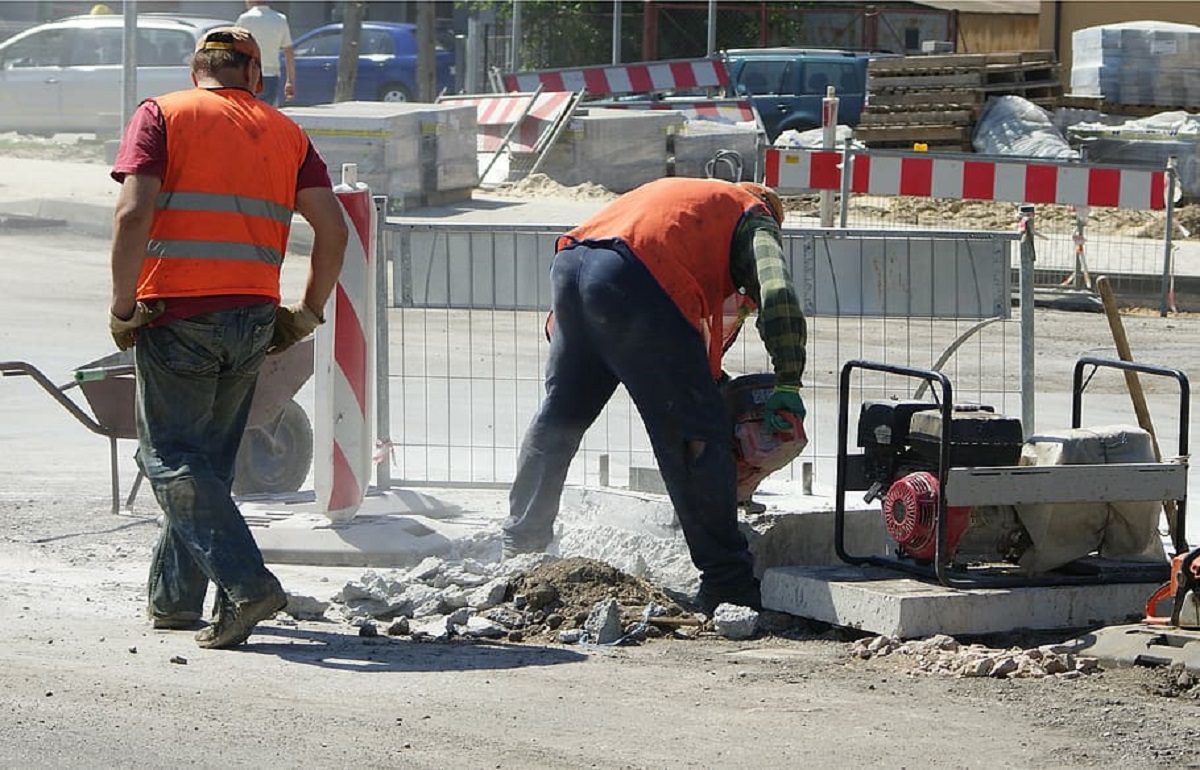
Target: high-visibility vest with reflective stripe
x=682, y=230
x=222, y=217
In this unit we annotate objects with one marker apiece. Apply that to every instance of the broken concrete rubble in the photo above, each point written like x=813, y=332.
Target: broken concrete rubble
x=734, y=622
x=942, y=655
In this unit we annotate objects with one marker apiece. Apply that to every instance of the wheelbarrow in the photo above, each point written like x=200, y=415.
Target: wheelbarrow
x=276, y=450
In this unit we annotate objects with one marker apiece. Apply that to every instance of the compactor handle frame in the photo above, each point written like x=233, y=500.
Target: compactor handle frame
x=1079, y=384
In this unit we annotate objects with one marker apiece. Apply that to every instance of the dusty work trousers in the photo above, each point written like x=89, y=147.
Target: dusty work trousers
x=614, y=323
x=195, y=382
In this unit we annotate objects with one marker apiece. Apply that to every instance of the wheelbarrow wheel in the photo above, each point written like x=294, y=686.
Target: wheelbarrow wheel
x=275, y=457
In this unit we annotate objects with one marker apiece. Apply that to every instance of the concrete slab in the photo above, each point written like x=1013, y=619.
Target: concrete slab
x=1141, y=645
x=398, y=528
x=882, y=602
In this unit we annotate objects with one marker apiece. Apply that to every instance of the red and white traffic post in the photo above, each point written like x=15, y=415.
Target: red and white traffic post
x=343, y=446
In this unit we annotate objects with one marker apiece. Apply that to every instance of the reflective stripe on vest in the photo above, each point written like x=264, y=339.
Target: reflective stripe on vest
x=240, y=252
x=226, y=204
x=222, y=218
x=682, y=230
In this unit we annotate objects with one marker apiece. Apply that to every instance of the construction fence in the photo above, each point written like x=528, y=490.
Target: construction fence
x=1090, y=219
x=468, y=346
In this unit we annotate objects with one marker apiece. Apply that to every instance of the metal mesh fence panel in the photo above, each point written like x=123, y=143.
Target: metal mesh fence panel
x=468, y=346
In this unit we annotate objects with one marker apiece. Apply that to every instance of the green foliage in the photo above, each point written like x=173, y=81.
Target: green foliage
x=571, y=33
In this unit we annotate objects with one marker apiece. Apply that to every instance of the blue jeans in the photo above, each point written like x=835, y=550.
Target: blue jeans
x=195, y=382
x=614, y=323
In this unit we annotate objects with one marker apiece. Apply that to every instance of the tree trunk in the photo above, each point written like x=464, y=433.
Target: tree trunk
x=347, y=68
x=426, y=50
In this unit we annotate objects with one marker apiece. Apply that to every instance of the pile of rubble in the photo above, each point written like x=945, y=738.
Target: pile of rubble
x=942, y=655
x=534, y=597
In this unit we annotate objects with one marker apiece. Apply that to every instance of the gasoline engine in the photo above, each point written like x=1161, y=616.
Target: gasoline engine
x=901, y=443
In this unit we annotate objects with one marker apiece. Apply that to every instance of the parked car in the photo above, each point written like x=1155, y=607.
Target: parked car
x=66, y=76
x=786, y=85
x=387, y=63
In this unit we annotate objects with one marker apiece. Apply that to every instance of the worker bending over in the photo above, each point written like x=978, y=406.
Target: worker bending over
x=639, y=296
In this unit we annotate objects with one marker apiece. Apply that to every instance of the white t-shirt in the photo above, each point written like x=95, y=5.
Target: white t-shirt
x=270, y=29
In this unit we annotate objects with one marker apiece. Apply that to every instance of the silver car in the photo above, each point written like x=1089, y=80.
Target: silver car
x=65, y=76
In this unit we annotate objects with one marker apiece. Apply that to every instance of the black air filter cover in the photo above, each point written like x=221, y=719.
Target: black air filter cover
x=978, y=436
x=885, y=423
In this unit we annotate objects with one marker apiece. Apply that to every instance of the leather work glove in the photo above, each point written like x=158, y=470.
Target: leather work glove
x=784, y=398
x=124, y=329
x=292, y=323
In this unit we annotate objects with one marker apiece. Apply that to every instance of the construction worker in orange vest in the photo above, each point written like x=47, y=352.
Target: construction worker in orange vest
x=209, y=180
x=639, y=294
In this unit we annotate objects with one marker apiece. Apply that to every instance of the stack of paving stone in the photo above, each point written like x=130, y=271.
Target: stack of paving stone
x=935, y=100
x=1141, y=63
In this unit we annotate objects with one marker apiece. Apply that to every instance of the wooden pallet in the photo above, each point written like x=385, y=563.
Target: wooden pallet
x=905, y=65
x=936, y=99
x=939, y=118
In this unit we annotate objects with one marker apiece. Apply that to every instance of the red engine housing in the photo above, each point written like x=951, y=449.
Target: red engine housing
x=910, y=515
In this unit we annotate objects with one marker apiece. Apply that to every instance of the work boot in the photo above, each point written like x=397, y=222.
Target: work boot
x=235, y=621
x=708, y=599
x=511, y=549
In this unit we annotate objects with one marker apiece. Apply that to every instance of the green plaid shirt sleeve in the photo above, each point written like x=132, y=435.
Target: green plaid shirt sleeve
x=757, y=265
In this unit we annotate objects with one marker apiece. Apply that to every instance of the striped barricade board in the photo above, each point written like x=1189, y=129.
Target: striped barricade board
x=961, y=178
x=615, y=80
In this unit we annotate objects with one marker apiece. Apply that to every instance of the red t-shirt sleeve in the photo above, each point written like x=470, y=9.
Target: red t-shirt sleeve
x=313, y=173
x=143, y=149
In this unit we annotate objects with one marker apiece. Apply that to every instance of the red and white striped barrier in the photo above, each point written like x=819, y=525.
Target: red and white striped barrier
x=678, y=75
x=718, y=110
x=923, y=175
x=496, y=113
x=343, y=447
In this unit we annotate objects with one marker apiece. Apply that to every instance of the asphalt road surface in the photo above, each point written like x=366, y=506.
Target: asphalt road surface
x=85, y=683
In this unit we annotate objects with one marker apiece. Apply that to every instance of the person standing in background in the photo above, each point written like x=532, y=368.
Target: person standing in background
x=270, y=28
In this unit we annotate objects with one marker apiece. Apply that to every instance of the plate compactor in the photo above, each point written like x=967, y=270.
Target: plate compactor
x=968, y=499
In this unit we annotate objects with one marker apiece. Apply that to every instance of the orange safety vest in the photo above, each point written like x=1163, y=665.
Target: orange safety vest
x=222, y=218
x=682, y=230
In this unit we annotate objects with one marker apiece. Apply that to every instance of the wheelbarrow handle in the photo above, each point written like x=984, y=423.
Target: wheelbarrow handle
x=102, y=372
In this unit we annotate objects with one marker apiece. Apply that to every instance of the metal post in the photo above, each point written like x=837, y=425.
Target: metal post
x=474, y=50
x=847, y=171
x=829, y=115
x=514, y=59
x=616, y=32
x=383, y=417
x=1163, y=305
x=1028, y=257
x=712, y=27
x=129, y=100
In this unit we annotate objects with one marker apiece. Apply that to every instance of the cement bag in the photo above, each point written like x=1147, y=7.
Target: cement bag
x=1064, y=532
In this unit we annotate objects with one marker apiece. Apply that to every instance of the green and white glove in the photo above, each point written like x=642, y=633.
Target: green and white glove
x=784, y=398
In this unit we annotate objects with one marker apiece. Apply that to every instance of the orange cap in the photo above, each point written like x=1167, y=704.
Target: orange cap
x=236, y=39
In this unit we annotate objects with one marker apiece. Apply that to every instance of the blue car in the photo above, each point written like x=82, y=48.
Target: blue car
x=387, y=64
